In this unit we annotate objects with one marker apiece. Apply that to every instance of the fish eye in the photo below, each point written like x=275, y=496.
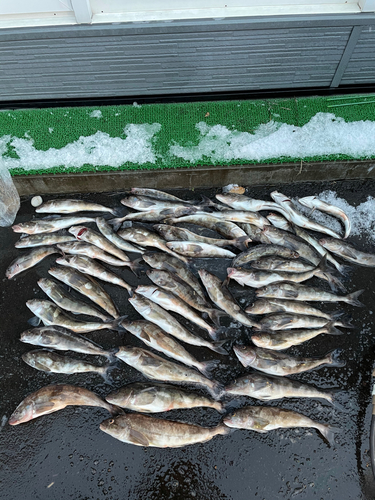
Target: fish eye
x=112, y=421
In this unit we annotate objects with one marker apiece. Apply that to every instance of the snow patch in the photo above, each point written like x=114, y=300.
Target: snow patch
x=96, y=114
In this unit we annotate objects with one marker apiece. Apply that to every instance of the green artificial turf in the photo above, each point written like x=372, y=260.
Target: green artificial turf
x=177, y=121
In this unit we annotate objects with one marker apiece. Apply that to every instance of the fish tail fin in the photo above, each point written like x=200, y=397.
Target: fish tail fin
x=219, y=407
x=136, y=267
x=216, y=390
x=333, y=359
x=115, y=410
x=342, y=269
x=331, y=397
x=217, y=347
x=353, y=300
x=206, y=367
x=215, y=316
x=106, y=373
x=117, y=212
x=241, y=243
x=321, y=271
x=115, y=324
x=329, y=432
x=116, y=223
x=111, y=356
x=332, y=330
x=34, y=321
x=337, y=314
x=224, y=430
x=345, y=322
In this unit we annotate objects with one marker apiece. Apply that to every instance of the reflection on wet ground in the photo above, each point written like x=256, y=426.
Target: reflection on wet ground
x=65, y=455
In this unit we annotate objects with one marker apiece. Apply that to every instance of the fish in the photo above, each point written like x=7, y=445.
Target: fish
x=142, y=430
x=242, y=216
x=162, y=261
x=159, y=195
x=264, y=250
x=221, y=297
x=157, y=368
x=171, y=302
x=314, y=203
x=147, y=204
x=155, y=398
x=255, y=233
x=280, y=340
x=319, y=248
x=50, y=314
x=266, y=306
x=173, y=283
x=241, y=202
x=280, y=222
x=277, y=363
x=81, y=248
x=114, y=238
x=87, y=286
x=288, y=321
x=256, y=278
x=199, y=250
x=64, y=300
x=296, y=291
x=53, y=398
x=174, y=233
x=49, y=225
x=274, y=263
x=51, y=362
x=263, y=419
x=157, y=315
x=299, y=219
x=37, y=240
x=268, y=388
x=156, y=338
x=145, y=237
x=61, y=339
x=152, y=216
x=89, y=266
x=294, y=243
x=348, y=252
x=71, y=206
x=31, y=259
x=89, y=236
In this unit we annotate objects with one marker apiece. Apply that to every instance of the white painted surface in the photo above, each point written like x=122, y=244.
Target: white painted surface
x=367, y=5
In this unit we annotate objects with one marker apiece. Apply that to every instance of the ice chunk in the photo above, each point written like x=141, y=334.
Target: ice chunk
x=96, y=114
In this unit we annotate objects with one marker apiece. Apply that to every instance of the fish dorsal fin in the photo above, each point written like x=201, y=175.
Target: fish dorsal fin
x=138, y=438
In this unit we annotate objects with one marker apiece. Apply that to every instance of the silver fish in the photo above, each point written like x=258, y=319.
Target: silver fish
x=85, y=234
x=199, y=250
x=288, y=321
x=273, y=263
x=280, y=340
x=241, y=202
x=56, y=337
x=157, y=368
x=263, y=419
x=280, y=222
x=221, y=296
x=254, y=233
x=82, y=248
x=171, y=302
x=348, y=252
x=268, y=388
x=54, y=398
x=71, y=206
x=296, y=291
x=168, y=263
x=153, y=216
x=87, y=286
x=49, y=225
x=31, y=259
x=156, y=338
x=266, y=306
x=142, y=430
x=264, y=250
x=51, y=362
x=155, y=398
x=114, y=238
x=37, y=240
x=314, y=203
x=51, y=314
x=89, y=266
x=64, y=300
x=147, y=204
x=299, y=219
x=159, y=195
x=242, y=216
x=277, y=363
x=157, y=315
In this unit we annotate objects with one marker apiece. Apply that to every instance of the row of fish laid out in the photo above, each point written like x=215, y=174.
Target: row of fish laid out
x=175, y=288
x=144, y=430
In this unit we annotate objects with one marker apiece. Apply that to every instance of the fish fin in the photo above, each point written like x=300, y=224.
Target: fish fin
x=34, y=321
x=155, y=363
x=220, y=407
x=225, y=283
x=206, y=367
x=116, y=324
x=115, y=410
x=217, y=347
x=145, y=336
x=215, y=315
x=352, y=298
x=136, y=267
x=259, y=424
x=333, y=359
x=241, y=243
x=138, y=438
x=337, y=314
x=345, y=322
x=332, y=398
x=329, y=432
x=117, y=212
x=217, y=390
x=332, y=330
x=44, y=406
x=291, y=294
x=116, y=223
x=107, y=373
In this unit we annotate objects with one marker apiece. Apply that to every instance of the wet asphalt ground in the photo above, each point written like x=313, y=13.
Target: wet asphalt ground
x=65, y=455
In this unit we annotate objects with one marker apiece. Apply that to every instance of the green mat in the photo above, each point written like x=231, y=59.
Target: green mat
x=177, y=124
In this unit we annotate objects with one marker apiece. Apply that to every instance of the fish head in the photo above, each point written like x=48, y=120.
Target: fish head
x=24, y=227
x=62, y=261
x=160, y=278
x=121, y=397
x=260, y=306
x=111, y=426
x=141, y=304
x=279, y=198
x=23, y=413
x=245, y=354
x=263, y=340
x=307, y=201
x=146, y=291
x=78, y=231
x=45, y=284
x=331, y=244
x=12, y=270
x=127, y=352
x=238, y=420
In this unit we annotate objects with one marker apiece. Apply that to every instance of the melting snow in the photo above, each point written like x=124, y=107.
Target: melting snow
x=96, y=114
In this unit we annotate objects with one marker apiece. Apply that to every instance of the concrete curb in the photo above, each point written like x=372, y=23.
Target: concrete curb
x=193, y=178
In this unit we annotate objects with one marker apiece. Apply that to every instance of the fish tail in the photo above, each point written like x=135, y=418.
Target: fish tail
x=115, y=325
x=224, y=429
x=333, y=358
x=215, y=315
x=332, y=330
x=216, y=390
x=217, y=347
x=116, y=223
x=117, y=212
x=106, y=373
x=241, y=243
x=115, y=410
x=353, y=300
x=337, y=314
x=345, y=322
x=136, y=267
x=329, y=432
x=206, y=367
x=331, y=397
x=219, y=407
x=321, y=271
x=342, y=269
